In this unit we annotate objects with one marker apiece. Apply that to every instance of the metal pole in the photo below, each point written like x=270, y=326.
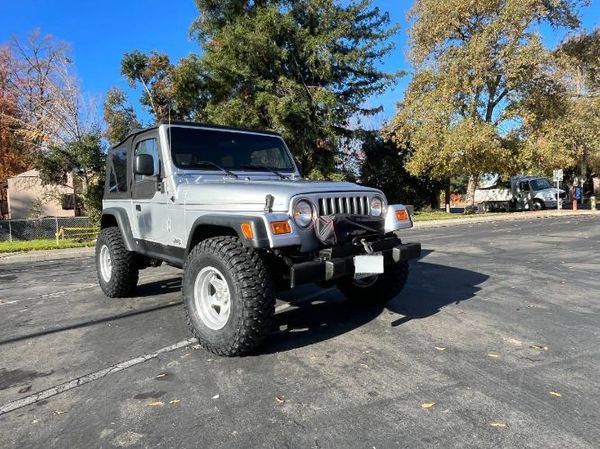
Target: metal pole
x=559, y=202
x=9, y=231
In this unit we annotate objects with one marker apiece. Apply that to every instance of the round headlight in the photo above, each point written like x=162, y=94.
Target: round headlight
x=376, y=207
x=303, y=213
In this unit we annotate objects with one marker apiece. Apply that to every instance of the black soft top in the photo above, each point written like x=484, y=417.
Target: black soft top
x=135, y=132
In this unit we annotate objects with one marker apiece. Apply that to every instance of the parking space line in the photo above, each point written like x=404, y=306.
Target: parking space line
x=79, y=381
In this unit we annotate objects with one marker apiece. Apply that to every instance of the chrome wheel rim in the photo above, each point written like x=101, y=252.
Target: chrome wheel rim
x=105, y=263
x=212, y=298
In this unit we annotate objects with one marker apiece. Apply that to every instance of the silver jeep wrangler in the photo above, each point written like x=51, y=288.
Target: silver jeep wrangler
x=230, y=207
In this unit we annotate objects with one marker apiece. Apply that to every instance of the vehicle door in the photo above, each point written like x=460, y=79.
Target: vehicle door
x=524, y=195
x=149, y=200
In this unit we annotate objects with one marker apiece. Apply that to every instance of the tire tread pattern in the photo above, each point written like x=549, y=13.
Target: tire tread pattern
x=254, y=288
x=125, y=273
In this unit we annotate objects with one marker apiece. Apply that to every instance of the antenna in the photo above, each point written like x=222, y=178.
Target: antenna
x=170, y=127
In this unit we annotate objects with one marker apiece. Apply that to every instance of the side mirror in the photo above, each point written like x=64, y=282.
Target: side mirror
x=143, y=164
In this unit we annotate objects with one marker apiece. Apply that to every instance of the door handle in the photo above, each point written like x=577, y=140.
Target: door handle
x=138, y=207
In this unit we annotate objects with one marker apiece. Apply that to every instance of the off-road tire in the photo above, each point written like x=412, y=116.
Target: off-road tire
x=382, y=290
x=252, y=302
x=124, y=273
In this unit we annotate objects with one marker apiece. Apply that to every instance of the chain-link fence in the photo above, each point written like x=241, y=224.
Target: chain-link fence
x=78, y=228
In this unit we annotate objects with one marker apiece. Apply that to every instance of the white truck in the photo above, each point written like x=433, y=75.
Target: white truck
x=519, y=193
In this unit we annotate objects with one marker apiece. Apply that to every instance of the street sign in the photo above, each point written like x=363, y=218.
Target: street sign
x=557, y=175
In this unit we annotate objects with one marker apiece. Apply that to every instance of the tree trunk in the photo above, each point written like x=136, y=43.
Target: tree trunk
x=447, y=197
x=471, y=189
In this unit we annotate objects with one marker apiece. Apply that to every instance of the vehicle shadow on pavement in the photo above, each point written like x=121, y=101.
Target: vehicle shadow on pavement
x=430, y=288
x=143, y=290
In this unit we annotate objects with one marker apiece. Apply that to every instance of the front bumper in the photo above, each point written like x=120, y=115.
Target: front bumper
x=336, y=262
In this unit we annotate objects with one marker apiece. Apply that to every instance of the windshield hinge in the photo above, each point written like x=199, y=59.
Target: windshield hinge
x=269, y=200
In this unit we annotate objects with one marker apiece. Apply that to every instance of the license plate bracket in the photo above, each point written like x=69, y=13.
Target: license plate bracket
x=368, y=265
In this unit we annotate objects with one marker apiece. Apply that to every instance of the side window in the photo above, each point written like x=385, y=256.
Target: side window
x=148, y=146
x=118, y=171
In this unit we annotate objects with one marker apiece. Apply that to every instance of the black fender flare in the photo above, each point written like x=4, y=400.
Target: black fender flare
x=122, y=219
x=233, y=222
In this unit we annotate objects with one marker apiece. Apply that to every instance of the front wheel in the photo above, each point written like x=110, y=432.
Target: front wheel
x=377, y=289
x=228, y=297
x=538, y=205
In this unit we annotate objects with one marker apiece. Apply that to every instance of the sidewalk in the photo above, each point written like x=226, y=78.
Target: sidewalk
x=51, y=254
x=57, y=254
x=513, y=216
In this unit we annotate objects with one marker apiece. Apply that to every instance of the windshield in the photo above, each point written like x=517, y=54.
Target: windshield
x=540, y=184
x=197, y=149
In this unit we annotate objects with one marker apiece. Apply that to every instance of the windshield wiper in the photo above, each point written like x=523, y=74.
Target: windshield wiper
x=262, y=167
x=212, y=164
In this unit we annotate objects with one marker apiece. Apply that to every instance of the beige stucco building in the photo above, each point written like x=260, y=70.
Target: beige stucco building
x=26, y=193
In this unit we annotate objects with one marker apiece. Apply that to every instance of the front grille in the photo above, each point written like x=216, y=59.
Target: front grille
x=355, y=205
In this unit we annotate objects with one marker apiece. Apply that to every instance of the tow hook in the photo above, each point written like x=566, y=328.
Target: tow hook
x=367, y=246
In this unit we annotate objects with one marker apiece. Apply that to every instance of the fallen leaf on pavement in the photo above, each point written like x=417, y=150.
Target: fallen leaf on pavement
x=156, y=404
x=539, y=347
x=174, y=401
x=59, y=412
x=556, y=393
x=498, y=424
x=216, y=396
x=440, y=348
x=427, y=405
x=513, y=341
x=187, y=354
x=494, y=355
x=364, y=365
x=280, y=399
x=161, y=375
x=25, y=389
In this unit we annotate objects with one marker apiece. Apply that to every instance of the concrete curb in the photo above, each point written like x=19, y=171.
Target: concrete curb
x=514, y=216
x=52, y=254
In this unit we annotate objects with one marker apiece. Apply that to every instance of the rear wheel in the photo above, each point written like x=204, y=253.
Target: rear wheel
x=116, y=267
x=228, y=296
x=377, y=289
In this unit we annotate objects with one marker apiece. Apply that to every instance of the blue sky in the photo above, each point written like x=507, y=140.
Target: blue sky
x=100, y=32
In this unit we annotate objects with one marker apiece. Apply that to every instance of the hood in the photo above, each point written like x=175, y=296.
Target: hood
x=249, y=194
x=551, y=190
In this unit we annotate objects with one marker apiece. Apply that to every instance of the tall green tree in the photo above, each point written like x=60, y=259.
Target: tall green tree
x=481, y=72
x=304, y=68
x=83, y=161
x=169, y=91
x=383, y=167
x=572, y=140
x=119, y=116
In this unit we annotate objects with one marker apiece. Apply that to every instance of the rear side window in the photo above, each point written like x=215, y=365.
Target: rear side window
x=118, y=171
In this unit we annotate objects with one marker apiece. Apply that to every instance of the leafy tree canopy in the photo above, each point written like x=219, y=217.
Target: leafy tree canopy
x=119, y=116
x=482, y=77
x=304, y=68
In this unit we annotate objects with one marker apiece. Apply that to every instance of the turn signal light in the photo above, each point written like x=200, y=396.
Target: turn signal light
x=281, y=227
x=402, y=215
x=247, y=230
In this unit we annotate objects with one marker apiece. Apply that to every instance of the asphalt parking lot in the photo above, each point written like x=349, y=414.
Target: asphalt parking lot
x=493, y=343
